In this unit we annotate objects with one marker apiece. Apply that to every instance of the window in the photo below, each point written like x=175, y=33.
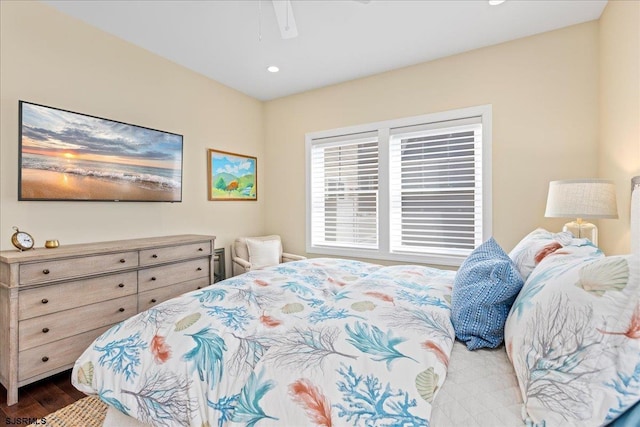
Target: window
x=345, y=192
x=415, y=189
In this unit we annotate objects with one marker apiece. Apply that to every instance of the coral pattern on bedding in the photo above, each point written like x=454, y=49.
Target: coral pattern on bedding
x=535, y=246
x=320, y=342
x=573, y=336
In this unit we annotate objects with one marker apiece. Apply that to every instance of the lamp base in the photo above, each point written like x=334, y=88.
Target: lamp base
x=582, y=230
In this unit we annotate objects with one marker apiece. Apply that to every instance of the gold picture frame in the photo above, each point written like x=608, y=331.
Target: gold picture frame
x=231, y=176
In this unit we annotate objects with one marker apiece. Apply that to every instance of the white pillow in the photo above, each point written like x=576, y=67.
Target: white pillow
x=573, y=336
x=263, y=253
x=536, y=245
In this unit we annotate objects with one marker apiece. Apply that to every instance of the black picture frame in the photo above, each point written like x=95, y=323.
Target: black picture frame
x=70, y=156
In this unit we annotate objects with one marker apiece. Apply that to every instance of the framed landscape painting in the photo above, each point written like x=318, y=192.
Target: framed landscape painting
x=232, y=176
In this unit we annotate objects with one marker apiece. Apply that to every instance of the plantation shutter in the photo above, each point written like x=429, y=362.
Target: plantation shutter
x=344, y=191
x=436, y=187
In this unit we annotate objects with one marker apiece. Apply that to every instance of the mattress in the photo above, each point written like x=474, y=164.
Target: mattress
x=481, y=389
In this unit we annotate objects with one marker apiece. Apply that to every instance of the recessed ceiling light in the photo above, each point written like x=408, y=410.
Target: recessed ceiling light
x=273, y=69
x=496, y=2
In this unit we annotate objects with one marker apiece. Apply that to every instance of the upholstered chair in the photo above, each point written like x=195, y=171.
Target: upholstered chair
x=254, y=253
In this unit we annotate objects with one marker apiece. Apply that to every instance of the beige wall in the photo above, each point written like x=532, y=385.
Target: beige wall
x=561, y=109
x=619, y=137
x=52, y=59
x=544, y=92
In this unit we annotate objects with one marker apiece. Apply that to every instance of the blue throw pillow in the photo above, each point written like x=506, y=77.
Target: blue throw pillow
x=484, y=289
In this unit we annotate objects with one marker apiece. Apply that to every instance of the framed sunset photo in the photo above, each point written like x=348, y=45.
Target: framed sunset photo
x=232, y=176
x=68, y=156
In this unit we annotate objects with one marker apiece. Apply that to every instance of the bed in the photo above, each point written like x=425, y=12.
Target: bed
x=333, y=342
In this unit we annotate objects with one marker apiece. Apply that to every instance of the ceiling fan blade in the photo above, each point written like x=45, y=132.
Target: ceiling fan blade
x=286, y=21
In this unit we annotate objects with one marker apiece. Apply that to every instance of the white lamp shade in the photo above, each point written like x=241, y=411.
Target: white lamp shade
x=582, y=198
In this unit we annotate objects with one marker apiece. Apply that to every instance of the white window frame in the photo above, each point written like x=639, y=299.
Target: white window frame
x=484, y=112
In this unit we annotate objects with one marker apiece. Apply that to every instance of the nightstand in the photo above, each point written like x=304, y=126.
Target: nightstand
x=219, y=265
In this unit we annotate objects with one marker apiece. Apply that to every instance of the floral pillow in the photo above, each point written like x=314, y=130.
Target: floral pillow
x=573, y=336
x=539, y=244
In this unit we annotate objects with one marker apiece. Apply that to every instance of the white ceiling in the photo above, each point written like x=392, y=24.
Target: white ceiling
x=338, y=40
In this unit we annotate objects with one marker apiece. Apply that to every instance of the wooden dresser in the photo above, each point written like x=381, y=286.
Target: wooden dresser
x=55, y=302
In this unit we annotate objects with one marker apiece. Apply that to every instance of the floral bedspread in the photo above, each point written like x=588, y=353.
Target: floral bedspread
x=321, y=342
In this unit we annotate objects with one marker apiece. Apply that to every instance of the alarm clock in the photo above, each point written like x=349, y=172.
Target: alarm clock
x=21, y=240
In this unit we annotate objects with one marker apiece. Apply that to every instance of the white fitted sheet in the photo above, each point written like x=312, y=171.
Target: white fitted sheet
x=481, y=389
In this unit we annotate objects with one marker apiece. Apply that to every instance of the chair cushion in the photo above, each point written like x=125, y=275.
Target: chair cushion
x=484, y=288
x=239, y=247
x=263, y=253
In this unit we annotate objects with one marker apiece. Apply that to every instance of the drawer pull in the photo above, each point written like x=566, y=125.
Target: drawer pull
x=121, y=285
x=153, y=278
x=46, y=271
x=154, y=256
x=200, y=249
x=121, y=310
x=153, y=300
x=199, y=269
x=44, y=300
x=199, y=287
x=45, y=330
x=45, y=359
x=122, y=260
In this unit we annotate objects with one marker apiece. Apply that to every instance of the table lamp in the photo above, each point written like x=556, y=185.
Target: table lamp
x=582, y=198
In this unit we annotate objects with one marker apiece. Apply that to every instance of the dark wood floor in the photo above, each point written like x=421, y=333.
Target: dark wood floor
x=39, y=399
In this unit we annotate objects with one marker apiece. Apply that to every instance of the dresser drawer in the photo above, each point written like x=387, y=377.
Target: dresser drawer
x=55, y=355
x=48, y=271
x=148, y=299
x=56, y=326
x=158, y=277
x=50, y=299
x=171, y=253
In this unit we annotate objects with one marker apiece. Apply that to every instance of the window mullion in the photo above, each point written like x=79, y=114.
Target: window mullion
x=384, y=220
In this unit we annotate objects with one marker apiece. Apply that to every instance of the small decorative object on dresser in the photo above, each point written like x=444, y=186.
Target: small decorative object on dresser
x=21, y=240
x=53, y=304
x=51, y=244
